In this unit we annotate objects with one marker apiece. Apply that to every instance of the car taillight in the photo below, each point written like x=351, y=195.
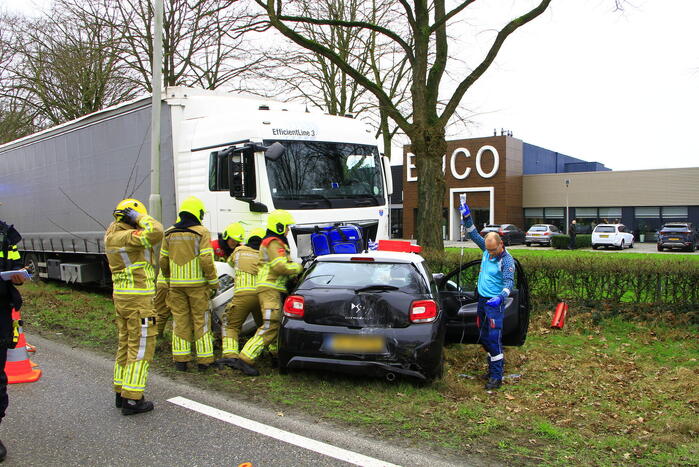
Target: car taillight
x=362, y=258
x=501, y=232
x=293, y=306
x=547, y=233
x=423, y=311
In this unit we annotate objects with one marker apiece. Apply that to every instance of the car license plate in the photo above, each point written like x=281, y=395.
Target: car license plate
x=604, y=236
x=674, y=239
x=537, y=235
x=341, y=343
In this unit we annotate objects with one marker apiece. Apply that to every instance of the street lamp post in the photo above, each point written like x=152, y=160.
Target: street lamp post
x=567, y=182
x=154, y=202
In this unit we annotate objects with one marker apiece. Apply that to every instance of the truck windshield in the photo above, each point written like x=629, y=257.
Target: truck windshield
x=313, y=175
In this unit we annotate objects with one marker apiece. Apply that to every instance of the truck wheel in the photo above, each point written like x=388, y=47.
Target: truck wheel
x=32, y=261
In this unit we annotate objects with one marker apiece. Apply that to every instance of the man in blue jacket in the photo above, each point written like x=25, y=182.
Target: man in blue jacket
x=495, y=282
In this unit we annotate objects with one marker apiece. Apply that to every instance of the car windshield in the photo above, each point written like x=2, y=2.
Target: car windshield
x=312, y=175
x=538, y=228
x=358, y=275
x=605, y=228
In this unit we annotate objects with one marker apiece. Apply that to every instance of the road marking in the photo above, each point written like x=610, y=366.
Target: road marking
x=286, y=436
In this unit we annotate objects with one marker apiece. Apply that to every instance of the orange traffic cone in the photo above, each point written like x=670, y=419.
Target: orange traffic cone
x=19, y=368
x=559, y=316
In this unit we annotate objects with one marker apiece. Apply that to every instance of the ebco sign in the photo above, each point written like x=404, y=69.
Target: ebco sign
x=459, y=152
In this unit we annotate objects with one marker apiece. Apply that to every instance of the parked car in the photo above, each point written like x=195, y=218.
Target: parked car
x=541, y=234
x=510, y=233
x=383, y=313
x=678, y=235
x=614, y=235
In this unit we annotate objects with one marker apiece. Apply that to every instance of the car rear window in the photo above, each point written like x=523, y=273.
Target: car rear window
x=605, y=228
x=675, y=228
x=538, y=229
x=355, y=275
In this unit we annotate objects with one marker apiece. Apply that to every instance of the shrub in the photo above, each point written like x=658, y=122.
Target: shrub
x=581, y=241
x=600, y=279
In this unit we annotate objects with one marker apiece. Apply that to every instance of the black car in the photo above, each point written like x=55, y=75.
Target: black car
x=678, y=235
x=384, y=314
x=510, y=233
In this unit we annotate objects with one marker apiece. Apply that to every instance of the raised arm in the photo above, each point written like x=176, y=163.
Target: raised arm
x=470, y=228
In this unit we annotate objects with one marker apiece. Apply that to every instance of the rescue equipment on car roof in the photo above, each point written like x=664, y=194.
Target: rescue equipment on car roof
x=559, y=316
x=402, y=246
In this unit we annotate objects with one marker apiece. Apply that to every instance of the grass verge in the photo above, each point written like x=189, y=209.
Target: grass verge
x=608, y=389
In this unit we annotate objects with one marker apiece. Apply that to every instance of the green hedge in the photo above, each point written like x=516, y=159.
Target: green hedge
x=598, y=279
x=561, y=242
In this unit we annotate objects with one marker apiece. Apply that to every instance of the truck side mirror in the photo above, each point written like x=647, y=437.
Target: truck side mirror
x=274, y=152
x=241, y=172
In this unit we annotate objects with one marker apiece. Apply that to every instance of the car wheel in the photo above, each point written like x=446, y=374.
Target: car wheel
x=631, y=244
x=527, y=244
x=438, y=372
x=594, y=247
x=621, y=245
x=660, y=248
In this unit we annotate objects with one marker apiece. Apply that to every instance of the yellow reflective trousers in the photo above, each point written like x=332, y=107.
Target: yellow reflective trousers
x=190, y=314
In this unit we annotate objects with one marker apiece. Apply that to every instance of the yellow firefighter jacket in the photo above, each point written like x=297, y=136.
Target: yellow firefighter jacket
x=245, y=261
x=186, y=257
x=131, y=256
x=275, y=265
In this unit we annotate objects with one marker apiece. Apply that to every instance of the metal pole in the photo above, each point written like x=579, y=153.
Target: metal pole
x=567, y=182
x=154, y=202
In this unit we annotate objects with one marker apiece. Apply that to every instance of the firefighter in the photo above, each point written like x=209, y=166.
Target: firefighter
x=244, y=261
x=187, y=266
x=129, y=243
x=9, y=298
x=275, y=269
x=495, y=283
x=162, y=311
x=228, y=240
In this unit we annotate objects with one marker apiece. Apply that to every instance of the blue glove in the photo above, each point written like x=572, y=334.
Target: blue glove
x=130, y=215
x=464, y=209
x=495, y=301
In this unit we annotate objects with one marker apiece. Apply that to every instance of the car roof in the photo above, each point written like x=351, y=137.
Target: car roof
x=609, y=225
x=378, y=256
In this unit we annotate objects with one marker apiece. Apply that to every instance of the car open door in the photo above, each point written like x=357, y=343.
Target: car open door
x=459, y=294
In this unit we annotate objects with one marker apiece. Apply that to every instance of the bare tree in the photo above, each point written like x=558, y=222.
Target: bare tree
x=426, y=47
x=64, y=67
x=203, y=40
x=308, y=75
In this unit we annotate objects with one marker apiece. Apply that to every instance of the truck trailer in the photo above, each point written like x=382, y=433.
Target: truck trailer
x=242, y=156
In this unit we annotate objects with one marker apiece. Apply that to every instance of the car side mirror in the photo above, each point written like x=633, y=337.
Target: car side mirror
x=438, y=276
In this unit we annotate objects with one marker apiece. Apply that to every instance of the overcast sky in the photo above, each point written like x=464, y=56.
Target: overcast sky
x=583, y=80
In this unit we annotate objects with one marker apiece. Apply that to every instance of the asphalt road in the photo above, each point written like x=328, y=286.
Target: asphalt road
x=68, y=418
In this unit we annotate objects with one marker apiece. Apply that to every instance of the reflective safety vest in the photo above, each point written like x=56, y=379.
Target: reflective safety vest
x=13, y=254
x=131, y=255
x=186, y=257
x=275, y=265
x=245, y=261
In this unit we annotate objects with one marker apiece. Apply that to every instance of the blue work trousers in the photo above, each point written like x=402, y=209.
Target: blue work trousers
x=489, y=320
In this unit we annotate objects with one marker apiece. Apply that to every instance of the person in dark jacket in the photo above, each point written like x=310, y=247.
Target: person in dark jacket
x=572, y=233
x=9, y=298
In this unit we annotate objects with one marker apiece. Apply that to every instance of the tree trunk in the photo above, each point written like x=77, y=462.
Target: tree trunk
x=429, y=145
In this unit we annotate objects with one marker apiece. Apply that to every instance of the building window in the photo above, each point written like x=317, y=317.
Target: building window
x=396, y=223
x=555, y=216
x=585, y=220
x=647, y=223
x=533, y=212
x=609, y=215
x=675, y=213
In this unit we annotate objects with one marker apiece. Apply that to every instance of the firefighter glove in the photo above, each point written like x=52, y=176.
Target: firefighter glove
x=495, y=301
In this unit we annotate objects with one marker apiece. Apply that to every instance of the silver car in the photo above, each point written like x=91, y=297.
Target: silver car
x=541, y=234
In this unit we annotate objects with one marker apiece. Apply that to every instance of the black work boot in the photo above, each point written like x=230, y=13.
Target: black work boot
x=130, y=406
x=201, y=367
x=3, y=452
x=493, y=383
x=246, y=368
x=118, y=401
x=274, y=360
x=181, y=366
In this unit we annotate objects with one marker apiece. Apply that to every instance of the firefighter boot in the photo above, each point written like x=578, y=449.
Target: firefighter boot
x=181, y=366
x=3, y=452
x=202, y=368
x=118, y=401
x=245, y=367
x=130, y=406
